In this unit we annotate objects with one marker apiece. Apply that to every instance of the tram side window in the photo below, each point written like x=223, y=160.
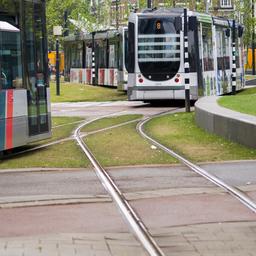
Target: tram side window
x=113, y=56
x=207, y=48
x=126, y=58
x=223, y=58
x=88, y=59
x=237, y=52
x=192, y=51
x=77, y=55
x=10, y=57
x=100, y=51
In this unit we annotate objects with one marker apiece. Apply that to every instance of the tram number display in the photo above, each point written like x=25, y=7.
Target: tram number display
x=158, y=25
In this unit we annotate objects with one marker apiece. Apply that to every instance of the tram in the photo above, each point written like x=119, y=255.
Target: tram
x=109, y=48
x=160, y=65
x=24, y=92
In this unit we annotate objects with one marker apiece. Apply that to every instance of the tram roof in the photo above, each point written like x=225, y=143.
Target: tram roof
x=6, y=26
x=202, y=17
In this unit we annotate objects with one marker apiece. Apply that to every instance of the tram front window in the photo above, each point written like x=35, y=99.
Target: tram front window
x=10, y=56
x=158, y=48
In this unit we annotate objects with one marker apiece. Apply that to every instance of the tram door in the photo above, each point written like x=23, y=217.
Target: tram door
x=35, y=70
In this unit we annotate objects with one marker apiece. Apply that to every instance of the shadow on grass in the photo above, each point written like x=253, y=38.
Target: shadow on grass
x=15, y=152
x=165, y=103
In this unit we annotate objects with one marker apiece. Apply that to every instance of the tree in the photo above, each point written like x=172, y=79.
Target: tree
x=76, y=9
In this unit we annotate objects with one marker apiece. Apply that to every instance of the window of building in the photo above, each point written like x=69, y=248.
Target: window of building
x=225, y=3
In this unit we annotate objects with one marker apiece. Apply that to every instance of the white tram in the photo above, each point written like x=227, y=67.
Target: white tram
x=109, y=48
x=24, y=89
x=157, y=64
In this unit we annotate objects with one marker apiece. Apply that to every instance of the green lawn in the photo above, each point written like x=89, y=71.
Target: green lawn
x=244, y=101
x=109, y=121
x=180, y=133
x=124, y=146
x=249, y=77
x=65, y=154
x=70, y=92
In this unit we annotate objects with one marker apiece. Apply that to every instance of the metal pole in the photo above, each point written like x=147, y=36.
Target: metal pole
x=117, y=16
x=206, y=6
x=93, y=60
x=57, y=68
x=234, y=57
x=186, y=62
x=253, y=39
x=149, y=4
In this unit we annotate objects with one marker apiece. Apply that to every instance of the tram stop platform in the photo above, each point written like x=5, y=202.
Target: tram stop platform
x=232, y=125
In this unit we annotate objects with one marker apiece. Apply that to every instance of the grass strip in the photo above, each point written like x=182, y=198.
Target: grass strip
x=65, y=129
x=124, y=146
x=70, y=92
x=250, y=77
x=109, y=121
x=180, y=133
x=63, y=155
x=243, y=102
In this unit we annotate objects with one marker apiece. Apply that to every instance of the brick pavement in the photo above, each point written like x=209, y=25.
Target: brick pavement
x=214, y=239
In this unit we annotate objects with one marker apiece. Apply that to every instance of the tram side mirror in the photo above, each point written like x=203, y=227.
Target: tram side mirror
x=228, y=32
x=240, y=31
x=178, y=24
x=192, y=23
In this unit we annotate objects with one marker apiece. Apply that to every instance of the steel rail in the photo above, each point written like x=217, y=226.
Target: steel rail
x=241, y=196
x=69, y=138
x=137, y=226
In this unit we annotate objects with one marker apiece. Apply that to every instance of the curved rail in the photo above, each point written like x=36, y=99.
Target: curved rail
x=131, y=217
x=242, y=197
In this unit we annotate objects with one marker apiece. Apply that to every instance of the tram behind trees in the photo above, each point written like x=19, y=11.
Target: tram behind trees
x=24, y=90
x=161, y=64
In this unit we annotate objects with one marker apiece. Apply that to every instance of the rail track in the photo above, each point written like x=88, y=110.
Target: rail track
x=235, y=192
x=135, y=223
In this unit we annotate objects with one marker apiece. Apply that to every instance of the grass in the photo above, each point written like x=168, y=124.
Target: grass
x=124, y=146
x=109, y=121
x=66, y=154
x=244, y=101
x=179, y=132
x=64, y=131
x=249, y=77
x=70, y=92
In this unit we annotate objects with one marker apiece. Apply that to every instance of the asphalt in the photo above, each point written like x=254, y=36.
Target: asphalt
x=185, y=213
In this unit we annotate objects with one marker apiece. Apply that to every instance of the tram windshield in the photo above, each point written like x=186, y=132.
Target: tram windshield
x=158, y=48
x=10, y=56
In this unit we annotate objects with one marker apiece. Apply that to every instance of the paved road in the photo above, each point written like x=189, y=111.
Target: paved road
x=186, y=214
x=96, y=109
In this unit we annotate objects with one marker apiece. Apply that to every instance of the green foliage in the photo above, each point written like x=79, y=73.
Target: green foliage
x=77, y=10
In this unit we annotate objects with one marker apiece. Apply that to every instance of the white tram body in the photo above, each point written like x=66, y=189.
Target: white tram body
x=97, y=58
x=156, y=55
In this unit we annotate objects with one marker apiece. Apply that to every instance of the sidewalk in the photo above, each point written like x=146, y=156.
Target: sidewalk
x=213, y=239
